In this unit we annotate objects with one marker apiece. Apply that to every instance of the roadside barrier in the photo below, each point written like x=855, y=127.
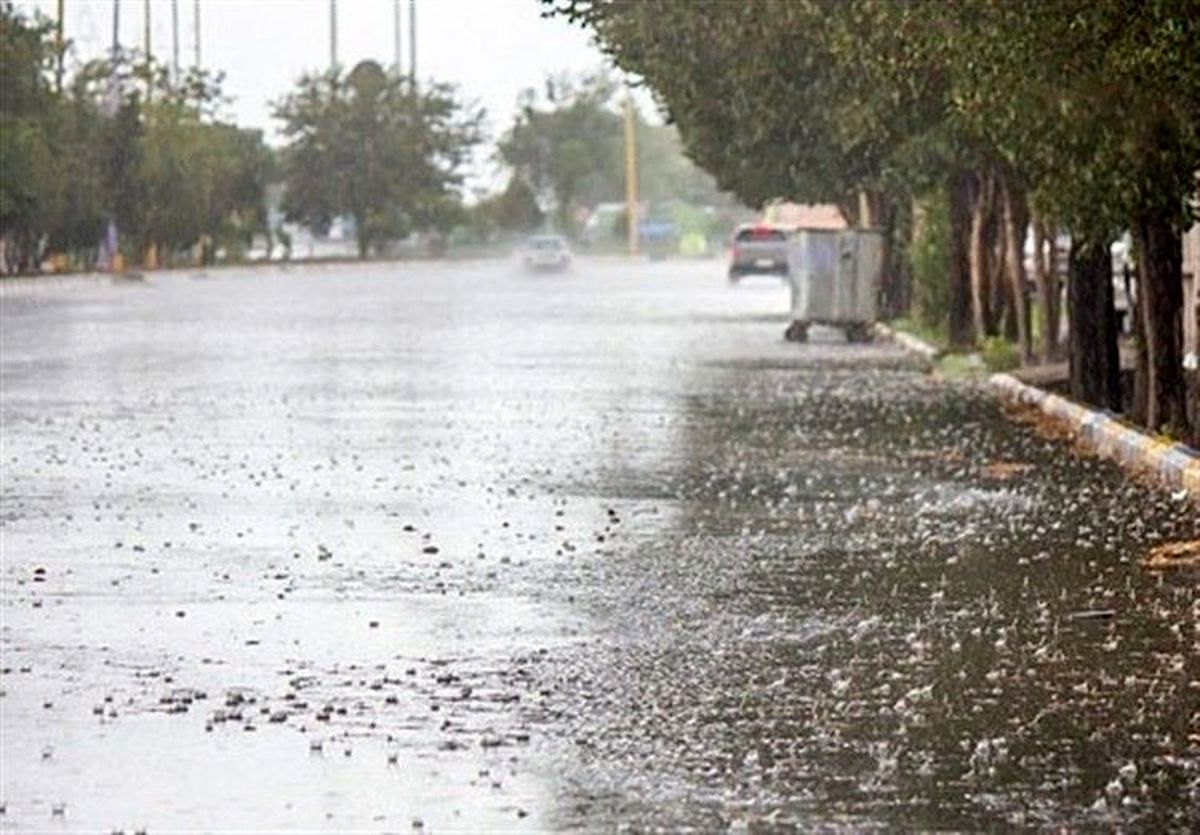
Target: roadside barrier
x=1176, y=465
x=907, y=341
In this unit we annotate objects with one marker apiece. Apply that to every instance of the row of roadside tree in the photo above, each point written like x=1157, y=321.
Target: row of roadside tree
x=119, y=161
x=117, y=145
x=1062, y=117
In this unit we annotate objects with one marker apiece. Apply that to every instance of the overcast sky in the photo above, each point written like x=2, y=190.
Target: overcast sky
x=492, y=49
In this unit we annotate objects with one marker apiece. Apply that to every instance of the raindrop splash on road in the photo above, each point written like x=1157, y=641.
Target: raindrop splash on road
x=440, y=546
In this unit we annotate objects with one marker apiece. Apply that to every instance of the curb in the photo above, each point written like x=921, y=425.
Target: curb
x=1176, y=465
x=908, y=341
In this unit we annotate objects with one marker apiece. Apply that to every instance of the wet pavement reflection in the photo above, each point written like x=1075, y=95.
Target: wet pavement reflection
x=450, y=547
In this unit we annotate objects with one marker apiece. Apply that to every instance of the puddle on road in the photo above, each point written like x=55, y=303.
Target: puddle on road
x=360, y=713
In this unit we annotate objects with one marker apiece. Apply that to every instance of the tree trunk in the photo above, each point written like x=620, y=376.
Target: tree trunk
x=1000, y=320
x=961, y=332
x=1047, y=290
x=1095, y=374
x=851, y=208
x=1161, y=295
x=876, y=212
x=362, y=235
x=1004, y=320
x=900, y=233
x=979, y=262
x=1015, y=220
x=1141, y=371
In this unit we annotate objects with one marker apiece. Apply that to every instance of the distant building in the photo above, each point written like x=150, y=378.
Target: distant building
x=804, y=216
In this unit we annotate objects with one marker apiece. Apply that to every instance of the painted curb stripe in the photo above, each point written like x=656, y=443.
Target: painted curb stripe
x=906, y=340
x=1174, y=464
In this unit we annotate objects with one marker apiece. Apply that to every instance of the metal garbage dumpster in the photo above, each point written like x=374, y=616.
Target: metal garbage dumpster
x=835, y=278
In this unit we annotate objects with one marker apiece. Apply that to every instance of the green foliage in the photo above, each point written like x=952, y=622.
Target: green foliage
x=376, y=147
x=665, y=174
x=999, y=354
x=775, y=99
x=119, y=142
x=934, y=335
x=929, y=254
x=25, y=142
x=960, y=366
x=513, y=210
x=1091, y=103
x=567, y=145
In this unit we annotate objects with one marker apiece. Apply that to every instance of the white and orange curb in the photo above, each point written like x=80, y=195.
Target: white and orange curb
x=907, y=341
x=1176, y=465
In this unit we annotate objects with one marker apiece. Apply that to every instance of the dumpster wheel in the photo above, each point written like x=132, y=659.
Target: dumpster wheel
x=858, y=332
x=797, y=331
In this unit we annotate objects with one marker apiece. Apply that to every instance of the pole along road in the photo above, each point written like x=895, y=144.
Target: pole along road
x=454, y=547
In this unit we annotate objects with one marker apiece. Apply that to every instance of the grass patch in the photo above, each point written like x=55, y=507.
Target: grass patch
x=997, y=354
x=961, y=366
x=1000, y=355
x=937, y=336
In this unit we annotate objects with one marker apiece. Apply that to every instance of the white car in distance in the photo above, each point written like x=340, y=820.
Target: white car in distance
x=546, y=253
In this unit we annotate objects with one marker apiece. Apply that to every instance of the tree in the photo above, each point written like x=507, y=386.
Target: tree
x=124, y=142
x=811, y=101
x=513, y=210
x=375, y=147
x=1081, y=113
x=566, y=145
x=664, y=171
x=26, y=103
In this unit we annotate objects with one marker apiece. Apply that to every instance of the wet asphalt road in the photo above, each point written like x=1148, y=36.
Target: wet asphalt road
x=450, y=547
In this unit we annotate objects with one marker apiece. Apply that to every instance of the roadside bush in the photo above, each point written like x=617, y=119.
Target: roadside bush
x=1000, y=355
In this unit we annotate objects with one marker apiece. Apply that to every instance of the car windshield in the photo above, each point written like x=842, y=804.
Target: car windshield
x=547, y=243
x=760, y=233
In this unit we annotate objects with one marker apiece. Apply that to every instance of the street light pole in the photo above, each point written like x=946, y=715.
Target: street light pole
x=116, y=263
x=196, y=29
x=412, y=41
x=333, y=34
x=146, y=48
x=175, y=40
x=396, y=68
x=58, y=49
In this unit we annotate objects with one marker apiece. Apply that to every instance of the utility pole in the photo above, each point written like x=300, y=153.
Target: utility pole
x=631, y=184
x=58, y=49
x=175, y=41
x=412, y=42
x=146, y=48
x=112, y=241
x=150, y=257
x=396, y=37
x=333, y=34
x=196, y=29
x=114, y=57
